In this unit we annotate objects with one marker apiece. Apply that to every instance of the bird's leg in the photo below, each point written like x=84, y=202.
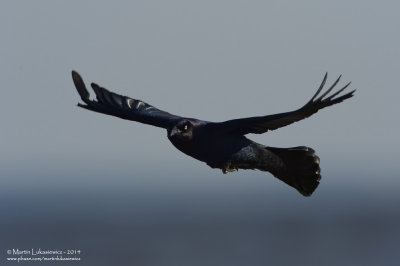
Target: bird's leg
x=229, y=167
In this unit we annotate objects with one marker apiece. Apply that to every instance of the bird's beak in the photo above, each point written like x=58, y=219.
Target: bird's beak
x=174, y=132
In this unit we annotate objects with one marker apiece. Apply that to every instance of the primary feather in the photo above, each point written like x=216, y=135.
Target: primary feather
x=262, y=124
x=121, y=106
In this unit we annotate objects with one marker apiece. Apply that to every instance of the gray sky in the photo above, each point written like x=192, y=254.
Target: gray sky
x=120, y=191
x=213, y=60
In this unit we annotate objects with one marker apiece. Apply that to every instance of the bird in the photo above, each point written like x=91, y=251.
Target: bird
x=223, y=145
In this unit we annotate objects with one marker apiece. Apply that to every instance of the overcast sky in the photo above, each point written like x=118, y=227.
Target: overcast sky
x=120, y=191
x=212, y=60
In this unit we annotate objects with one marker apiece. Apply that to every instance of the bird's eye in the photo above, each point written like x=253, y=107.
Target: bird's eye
x=185, y=127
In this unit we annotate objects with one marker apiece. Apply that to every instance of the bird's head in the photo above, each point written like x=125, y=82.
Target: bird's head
x=183, y=130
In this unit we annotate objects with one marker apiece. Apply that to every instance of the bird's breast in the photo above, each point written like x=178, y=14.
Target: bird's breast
x=211, y=149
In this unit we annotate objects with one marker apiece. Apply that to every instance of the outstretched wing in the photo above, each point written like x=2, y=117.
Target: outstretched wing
x=121, y=106
x=262, y=124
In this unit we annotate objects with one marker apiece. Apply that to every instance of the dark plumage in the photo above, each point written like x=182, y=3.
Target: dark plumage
x=223, y=145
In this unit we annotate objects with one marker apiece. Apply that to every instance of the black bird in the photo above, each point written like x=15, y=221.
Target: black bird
x=224, y=145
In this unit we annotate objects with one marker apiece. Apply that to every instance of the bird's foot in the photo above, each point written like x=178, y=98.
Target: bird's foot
x=229, y=167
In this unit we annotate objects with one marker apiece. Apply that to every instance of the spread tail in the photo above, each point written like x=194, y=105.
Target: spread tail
x=298, y=167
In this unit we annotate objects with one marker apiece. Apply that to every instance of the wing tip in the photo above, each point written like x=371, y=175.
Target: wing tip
x=80, y=86
x=96, y=87
x=351, y=93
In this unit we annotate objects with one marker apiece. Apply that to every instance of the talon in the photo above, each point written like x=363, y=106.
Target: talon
x=229, y=167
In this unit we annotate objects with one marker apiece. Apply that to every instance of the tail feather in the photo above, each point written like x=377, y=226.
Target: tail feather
x=300, y=168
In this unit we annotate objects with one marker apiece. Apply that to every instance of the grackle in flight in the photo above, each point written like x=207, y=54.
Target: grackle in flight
x=223, y=145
